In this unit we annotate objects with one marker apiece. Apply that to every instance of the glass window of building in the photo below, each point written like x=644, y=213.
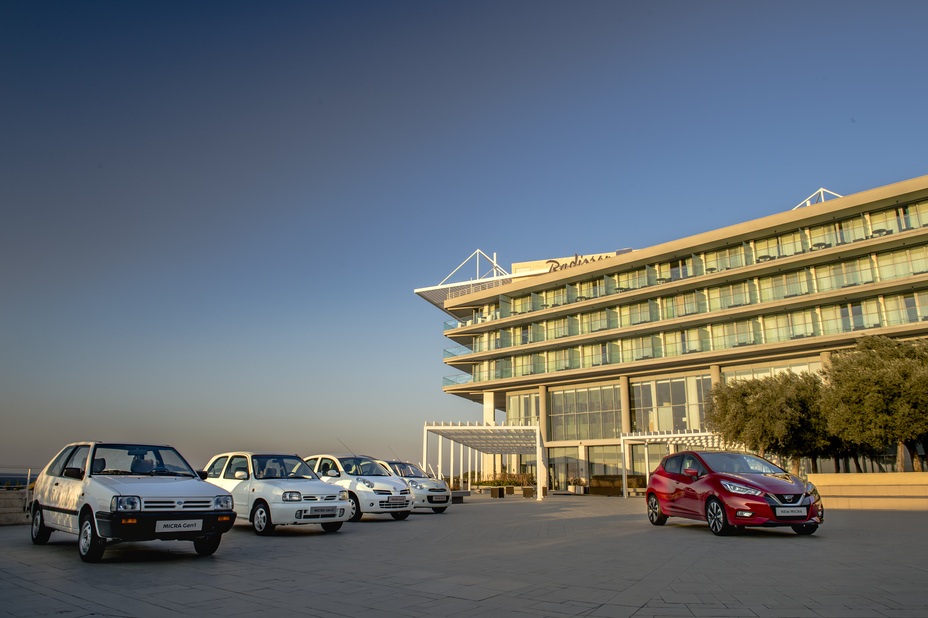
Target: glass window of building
x=735, y=334
x=640, y=348
x=596, y=321
x=728, y=296
x=563, y=359
x=780, y=246
x=638, y=313
x=848, y=317
x=683, y=304
x=786, y=285
x=723, y=259
x=887, y=221
x=585, y=413
x=632, y=280
x=787, y=326
x=528, y=364
x=686, y=341
x=522, y=304
x=605, y=461
x=522, y=409
x=916, y=215
x=756, y=372
x=675, y=404
x=591, y=289
x=844, y=274
x=842, y=232
x=902, y=263
x=555, y=298
x=596, y=354
x=562, y=327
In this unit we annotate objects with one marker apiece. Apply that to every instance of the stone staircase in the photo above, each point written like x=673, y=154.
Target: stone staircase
x=12, y=507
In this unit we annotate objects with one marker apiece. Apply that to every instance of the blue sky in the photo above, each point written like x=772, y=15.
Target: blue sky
x=215, y=213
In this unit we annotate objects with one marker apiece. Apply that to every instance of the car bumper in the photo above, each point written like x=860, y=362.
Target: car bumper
x=377, y=503
x=431, y=499
x=298, y=513
x=166, y=526
x=749, y=511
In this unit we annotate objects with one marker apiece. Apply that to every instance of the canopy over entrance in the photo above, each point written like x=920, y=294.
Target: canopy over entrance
x=492, y=439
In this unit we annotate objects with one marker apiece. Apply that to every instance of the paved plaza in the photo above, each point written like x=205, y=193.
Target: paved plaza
x=565, y=556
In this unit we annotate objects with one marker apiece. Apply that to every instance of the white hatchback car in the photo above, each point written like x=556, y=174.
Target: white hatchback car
x=371, y=489
x=110, y=492
x=428, y=493
x=276, y=489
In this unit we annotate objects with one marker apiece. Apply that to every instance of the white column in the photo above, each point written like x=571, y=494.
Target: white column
x=441, y=441
x=451, y=465
x=461, y=475
x=425, y=448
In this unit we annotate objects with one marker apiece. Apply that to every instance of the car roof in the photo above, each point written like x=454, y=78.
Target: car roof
x=339, y=456
x=253, y=453
x=121, y=443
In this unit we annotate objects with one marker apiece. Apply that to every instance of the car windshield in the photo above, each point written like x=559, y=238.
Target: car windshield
x=139, y=459
x=740, y=463
x=281, y=467
x=362, y=466
x=408, y=470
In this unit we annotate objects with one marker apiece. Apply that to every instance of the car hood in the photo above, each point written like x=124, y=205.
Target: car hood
x=158, y=486
x=428, y=483
x=386, y=483
x=771, y=483
x=301, y=485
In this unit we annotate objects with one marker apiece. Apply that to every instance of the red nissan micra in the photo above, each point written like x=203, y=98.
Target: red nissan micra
x=731, y=490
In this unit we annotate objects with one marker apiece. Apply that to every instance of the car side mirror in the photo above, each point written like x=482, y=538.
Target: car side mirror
x=73, y=473
x=201, y=474
x=691, y=472
x=331, y=472
x=241, y=475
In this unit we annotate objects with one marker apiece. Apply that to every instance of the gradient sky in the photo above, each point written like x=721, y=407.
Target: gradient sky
x=214, y=214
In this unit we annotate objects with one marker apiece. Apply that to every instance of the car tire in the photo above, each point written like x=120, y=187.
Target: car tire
x=261, y=519
x=439, y=509
x=805, y=529
x=655, y=514
x=400, y=515
x=716, y=518
x=356, y=513
x=332, y=526
x=89, y=545
x=40, y=532
x=207, y=545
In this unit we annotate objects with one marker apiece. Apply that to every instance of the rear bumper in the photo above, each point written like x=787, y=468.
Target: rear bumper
x=166, y=526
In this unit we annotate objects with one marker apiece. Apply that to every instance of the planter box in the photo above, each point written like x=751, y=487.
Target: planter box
x=903, y=491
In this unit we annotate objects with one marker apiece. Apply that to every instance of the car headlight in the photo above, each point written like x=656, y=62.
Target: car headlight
x=343, y=495
x=125, y=503
x=222, y=503
x=735, y=488
x=292, y=496
x=415, y=484
x=365, y=482
x=812, y=491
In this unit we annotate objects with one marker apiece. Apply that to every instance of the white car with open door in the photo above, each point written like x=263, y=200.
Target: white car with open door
x=110, y=492
x=428, y=493
x=277, y=489
x=371, y=489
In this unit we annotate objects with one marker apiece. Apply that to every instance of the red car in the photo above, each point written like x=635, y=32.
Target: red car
x=731, y=490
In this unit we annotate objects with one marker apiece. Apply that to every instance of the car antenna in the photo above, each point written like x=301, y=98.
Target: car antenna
x=395, y=456
x=346, y=446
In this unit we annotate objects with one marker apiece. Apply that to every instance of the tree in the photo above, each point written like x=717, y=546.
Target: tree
x=877, y=394
x=780, y=414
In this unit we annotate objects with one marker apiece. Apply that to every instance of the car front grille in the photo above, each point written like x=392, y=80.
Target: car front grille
x=399, y=506
x=383, y=492
x=785, y=499
x=436, y=490
x=319, y=498
x=177, y=504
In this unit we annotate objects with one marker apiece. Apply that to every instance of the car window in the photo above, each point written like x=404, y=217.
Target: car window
x=215, y=468
x=280, y=467
x=235, y=464
x=326, y=464
x=78, y=459
x=359, y=466
x=741, y=463
x=408, y=470
x=57, y=465
x=311, y=462
x=691, y=462
x=672, y=464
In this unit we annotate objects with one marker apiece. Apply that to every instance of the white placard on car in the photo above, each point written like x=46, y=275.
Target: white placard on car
x=791, y=511
x=178, y=525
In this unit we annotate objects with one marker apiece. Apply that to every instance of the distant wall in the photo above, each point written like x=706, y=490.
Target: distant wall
x=902, y=491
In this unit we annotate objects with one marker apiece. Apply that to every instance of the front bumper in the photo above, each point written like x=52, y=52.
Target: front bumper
x=425, y=499
x=298, y=513
x=371, y=502
x=148, y=526
x=755, y=511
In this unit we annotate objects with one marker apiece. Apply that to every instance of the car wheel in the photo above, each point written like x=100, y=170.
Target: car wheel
x=261, y=520
x=207, y=545
x=89, y=544
x=715, y=516
x=400, y=515
x=332, y=526
x=805, y=529
x=355, y=508
x=655, y=515
x=40, y=533
x=439, y=509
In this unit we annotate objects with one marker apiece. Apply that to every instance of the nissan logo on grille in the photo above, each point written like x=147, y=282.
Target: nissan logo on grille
x=789, y=498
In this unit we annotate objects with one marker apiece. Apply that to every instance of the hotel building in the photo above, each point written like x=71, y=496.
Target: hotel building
x=611, y=355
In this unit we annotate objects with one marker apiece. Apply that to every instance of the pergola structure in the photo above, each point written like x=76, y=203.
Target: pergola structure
x=491, y=439
x=694, y=438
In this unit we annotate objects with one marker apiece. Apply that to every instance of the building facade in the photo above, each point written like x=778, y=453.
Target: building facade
x=596, y=348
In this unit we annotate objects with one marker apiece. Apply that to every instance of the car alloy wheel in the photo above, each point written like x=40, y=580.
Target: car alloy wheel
x=355, y=508
x=715, y=516
x=89, y=545
x=40, y=533
x=655, y=515
x=261, y=520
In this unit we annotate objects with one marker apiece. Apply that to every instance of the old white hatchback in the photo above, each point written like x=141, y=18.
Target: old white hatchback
x=275, y=489
x=428, y=493
x=371, y=489
x=109, y=492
